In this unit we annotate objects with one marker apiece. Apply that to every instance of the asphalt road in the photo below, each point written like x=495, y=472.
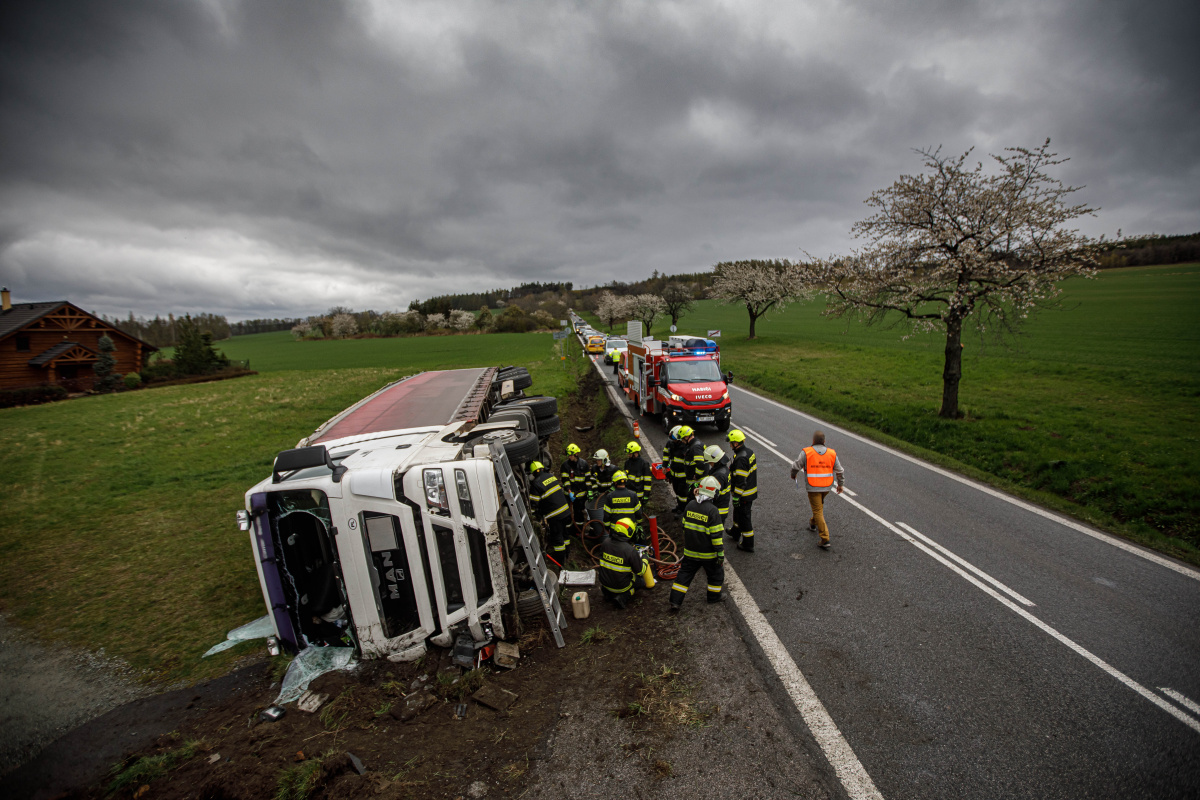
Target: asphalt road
x=1079, y=678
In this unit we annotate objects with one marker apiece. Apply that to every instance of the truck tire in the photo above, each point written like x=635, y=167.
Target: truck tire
x=723, y=425
x=548, y=426
x=542, y=407
x=518, y=375
x=519, y=446
x=529, y=607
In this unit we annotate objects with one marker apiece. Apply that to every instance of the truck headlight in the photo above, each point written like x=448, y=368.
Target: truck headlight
x=725, y=396
x=675, y=397
x=243, y=520
x=435, y=489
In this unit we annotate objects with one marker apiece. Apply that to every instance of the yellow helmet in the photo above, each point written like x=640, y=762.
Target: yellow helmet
x=573, y=449
x=736, y=436
x=624, y=526
x=685, y=431
x=619, y=477
x=534, y=466
x=633, y=447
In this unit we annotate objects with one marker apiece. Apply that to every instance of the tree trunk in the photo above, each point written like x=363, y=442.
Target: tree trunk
x=952, y=373
x=753, y=319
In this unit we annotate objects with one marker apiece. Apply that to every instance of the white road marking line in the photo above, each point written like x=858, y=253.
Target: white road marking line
x=962, y=561
x=1070, y=523
x=1184, y=701
x=847, y=491
x=837, y=750
x=1186, y=719
x=758, y=436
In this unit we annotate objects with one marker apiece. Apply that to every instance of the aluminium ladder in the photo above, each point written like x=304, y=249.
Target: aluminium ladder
x=543, y=579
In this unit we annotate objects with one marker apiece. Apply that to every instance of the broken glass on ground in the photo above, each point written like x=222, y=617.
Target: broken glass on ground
x=311, y=663
x=260, y=628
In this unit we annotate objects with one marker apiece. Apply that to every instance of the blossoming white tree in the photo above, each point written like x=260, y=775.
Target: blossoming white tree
x=961, y=240
x=761, y=285
x=610, y=308
x=644, y=307
x=343, y=325
x=462, y=320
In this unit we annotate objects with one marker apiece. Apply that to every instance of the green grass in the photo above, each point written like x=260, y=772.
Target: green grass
x=118, y=510
x=145, y=769
x=1092, y=409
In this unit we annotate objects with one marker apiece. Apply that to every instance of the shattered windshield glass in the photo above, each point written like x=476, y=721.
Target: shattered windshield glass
x=309, y=501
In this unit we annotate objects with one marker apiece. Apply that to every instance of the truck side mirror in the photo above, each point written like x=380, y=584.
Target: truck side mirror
x=729, y=377
x=651, y=383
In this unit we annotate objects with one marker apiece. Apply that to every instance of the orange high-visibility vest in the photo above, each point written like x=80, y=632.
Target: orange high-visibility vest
x=818, y=467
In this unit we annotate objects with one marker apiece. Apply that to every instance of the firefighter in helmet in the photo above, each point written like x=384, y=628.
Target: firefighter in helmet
x=703, y=544
x=744, y=482
x=550, y=502
x=638, y=470
x=620, y=501
x=621, y=566
x=574, y=477
x=717, y=466
x=600, y=478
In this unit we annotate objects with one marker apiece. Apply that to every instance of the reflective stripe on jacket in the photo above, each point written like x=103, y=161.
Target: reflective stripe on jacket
x=640, y=480
x=547, y=492
x=703, y=530
x=818, y=470
x=745, y=474
x=619, y=562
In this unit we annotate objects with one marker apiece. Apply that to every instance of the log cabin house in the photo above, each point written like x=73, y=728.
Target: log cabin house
x=59, y=343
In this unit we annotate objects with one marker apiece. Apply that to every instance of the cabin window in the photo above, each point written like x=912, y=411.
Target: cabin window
x=22, y=343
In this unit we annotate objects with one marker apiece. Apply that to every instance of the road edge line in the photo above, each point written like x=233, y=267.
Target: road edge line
x=1107, y=538
x=838, y=752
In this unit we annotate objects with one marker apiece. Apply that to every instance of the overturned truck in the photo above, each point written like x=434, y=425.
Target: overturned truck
x=403, y=520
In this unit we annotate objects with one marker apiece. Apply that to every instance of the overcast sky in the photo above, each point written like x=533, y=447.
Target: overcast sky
x=268, y=159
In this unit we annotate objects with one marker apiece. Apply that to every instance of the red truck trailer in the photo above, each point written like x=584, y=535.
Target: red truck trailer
x=679, y=379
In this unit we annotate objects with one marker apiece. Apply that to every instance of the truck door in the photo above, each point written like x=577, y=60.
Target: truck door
x=393, y=586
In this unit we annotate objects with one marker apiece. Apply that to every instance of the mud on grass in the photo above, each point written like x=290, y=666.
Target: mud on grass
x=228, y=753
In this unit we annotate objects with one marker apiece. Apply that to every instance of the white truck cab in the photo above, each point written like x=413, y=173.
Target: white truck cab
x=390, y=527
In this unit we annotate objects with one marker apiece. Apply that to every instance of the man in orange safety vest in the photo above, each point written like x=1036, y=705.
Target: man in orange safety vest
x=822, y=470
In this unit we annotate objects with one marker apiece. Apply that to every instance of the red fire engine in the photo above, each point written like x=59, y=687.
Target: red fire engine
x=679, y=379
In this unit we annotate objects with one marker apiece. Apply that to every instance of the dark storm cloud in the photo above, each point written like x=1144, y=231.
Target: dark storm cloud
x=277, y=158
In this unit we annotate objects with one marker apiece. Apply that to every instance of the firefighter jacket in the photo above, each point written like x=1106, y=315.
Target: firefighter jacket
x=620, y=503
x=619, y=563
x=745, y=475
x=640, y=479
x=599, y=480
x=703, y=530
x=547, y=493
x=720, y=471
x=693, y=458
x=674, y=456
x=575, y=476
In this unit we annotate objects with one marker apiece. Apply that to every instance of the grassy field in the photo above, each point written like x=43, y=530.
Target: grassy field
x=118, y=510
x=1093, y=409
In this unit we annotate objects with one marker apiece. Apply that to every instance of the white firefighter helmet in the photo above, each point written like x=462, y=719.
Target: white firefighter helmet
x=713, y=453
x=709, y=487
x=600, y=455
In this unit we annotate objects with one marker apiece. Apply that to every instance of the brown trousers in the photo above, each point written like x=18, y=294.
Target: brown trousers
x=817, y=501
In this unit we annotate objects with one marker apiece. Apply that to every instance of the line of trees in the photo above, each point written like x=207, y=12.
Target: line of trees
x=165, y=332
x=1143, y=251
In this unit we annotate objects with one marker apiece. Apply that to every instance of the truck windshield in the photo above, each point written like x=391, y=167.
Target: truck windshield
x=693, y=372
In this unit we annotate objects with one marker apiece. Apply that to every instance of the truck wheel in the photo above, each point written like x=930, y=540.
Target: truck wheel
x=519, y=377
x=529, y=606
x=723, y=425
x=542, y=407
x=519, y=446
x=547, y=426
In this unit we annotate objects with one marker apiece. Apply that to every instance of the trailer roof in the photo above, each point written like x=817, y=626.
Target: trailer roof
x=430, y=399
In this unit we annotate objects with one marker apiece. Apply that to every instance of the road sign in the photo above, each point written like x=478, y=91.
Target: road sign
x=673, y=329
x=560, y=334
x=562, y=322
x=715, y=334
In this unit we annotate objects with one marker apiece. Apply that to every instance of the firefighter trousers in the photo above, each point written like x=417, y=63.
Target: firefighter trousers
x=680, y=485
x=714, y=570
x=743, y=527
x=556, y=537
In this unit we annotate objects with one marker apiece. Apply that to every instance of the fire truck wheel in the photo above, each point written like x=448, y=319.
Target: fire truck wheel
x=723, y=425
